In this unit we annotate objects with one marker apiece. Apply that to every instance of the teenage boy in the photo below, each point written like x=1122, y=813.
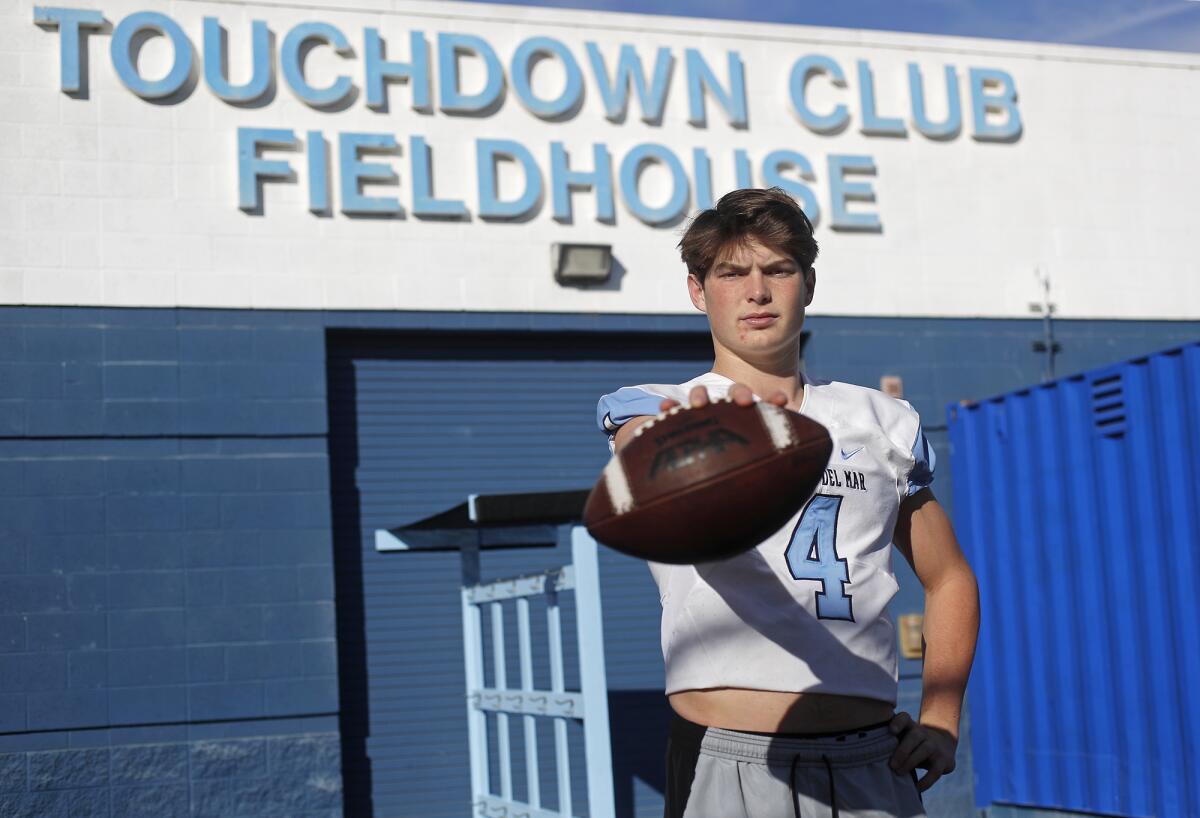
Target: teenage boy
x=781, y=664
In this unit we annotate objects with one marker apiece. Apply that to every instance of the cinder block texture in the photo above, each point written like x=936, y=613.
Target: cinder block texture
x=293, y=775
x=165, y=561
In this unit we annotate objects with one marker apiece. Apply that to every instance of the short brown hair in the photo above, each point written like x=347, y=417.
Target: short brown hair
x=771, y=216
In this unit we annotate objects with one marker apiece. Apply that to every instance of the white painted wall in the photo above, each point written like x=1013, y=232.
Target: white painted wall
x=113, y=200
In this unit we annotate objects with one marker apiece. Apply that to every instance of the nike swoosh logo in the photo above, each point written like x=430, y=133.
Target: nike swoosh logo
x=846, y=455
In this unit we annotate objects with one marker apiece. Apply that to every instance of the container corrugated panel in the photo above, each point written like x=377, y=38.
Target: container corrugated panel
x=1078, y=505
x=418, y=422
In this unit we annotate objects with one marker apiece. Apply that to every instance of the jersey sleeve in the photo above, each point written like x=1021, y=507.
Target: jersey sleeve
x=924, y=462
x=628, y=402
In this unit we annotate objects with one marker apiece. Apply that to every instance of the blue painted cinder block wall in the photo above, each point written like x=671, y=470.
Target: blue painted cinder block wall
x=166, y=596
x=167, y=621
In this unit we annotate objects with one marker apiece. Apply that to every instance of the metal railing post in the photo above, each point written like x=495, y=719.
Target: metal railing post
x=473, y=660
x=593, y=682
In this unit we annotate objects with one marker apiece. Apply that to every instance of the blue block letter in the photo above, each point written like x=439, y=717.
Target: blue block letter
x=251, y=168
x=293, y=69
x=354, y=170
x=599, y=178
x=68, y=22
x=629, y=68
x=631, y=168
x=701, y=77
x=424, y=203
x=802, y=70
x=702, y=171
x=522, y=65
x=490, y=205
x=318, y=172
x=379, y=70
x=1004, y=102
x=841, y=191
x=873, y=124
x=947, y=129
x=452, y=101
x=125, y=63
x=214, y=45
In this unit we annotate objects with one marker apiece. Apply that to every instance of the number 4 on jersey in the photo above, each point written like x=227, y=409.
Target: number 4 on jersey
x=812, y=554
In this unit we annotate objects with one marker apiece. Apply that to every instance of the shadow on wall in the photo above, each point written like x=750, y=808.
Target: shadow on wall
x=354, y=718
x=638, y=722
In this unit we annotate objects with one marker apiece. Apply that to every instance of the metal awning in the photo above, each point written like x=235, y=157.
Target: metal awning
x=524, y=520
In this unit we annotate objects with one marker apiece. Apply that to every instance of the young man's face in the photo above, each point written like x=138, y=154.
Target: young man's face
x=754, y=297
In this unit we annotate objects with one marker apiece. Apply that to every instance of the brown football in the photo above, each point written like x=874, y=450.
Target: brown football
x=704, y=483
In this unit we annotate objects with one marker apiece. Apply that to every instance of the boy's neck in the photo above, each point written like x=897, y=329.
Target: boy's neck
x=763, y=378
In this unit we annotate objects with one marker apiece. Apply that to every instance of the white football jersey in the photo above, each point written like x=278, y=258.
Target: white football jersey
x=806, y=609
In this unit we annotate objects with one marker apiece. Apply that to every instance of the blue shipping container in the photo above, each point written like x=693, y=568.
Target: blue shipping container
x=1078, y=504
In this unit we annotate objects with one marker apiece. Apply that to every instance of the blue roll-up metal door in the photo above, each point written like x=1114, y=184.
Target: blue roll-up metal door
x=417, y=422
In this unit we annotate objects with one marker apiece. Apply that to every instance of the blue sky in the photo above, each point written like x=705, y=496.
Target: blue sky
x=1170, y=25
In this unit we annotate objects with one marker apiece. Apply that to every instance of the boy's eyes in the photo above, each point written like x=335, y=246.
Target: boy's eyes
x=773, y=271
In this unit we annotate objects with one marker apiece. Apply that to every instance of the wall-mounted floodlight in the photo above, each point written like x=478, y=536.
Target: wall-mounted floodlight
x=581, y=263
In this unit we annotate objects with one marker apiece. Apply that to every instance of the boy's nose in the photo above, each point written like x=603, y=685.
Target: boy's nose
x=759, y=292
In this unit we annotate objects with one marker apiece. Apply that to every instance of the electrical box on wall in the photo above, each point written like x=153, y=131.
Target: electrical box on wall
x=911, y=628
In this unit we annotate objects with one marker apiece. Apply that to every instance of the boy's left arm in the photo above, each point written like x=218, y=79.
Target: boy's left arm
x=926, y=539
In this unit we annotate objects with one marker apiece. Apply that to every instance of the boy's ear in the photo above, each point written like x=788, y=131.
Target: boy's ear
x=696, y=292
x=810, y=281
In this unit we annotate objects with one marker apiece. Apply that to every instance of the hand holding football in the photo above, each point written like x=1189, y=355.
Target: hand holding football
x=707, y=481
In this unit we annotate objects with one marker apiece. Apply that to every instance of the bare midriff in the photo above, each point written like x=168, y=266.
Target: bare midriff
x=771, y=711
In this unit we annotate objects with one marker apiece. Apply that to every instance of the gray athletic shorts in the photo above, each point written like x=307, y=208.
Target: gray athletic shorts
x=715, y=773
